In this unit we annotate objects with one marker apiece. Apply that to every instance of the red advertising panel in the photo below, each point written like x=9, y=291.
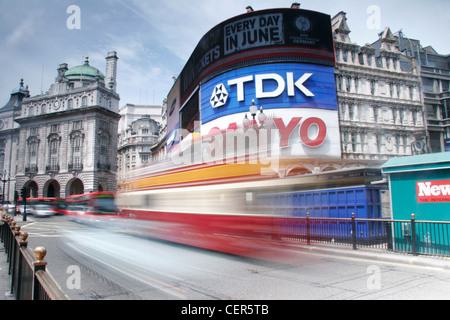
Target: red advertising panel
x=433, y=191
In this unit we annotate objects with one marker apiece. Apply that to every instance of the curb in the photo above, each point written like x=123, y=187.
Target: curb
x=393, y=257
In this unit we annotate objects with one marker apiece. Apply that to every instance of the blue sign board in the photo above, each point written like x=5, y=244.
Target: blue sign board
x=272, y=86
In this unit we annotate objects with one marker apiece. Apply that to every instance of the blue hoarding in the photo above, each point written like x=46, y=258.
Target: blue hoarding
x=272, y=86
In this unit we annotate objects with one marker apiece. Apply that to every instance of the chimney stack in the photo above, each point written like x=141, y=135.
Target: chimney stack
x=111, y=70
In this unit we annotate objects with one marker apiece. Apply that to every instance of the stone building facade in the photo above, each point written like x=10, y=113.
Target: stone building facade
x=435, y=77
x=64, y=142
x=135, y=144
x=379, y=97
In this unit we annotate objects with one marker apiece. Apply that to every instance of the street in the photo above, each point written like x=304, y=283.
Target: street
x=103, y=264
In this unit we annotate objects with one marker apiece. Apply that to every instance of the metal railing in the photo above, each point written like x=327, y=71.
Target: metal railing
x=406, y=236
x=29, y=279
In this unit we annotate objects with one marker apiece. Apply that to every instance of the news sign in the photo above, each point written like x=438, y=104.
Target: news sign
x=433, y=191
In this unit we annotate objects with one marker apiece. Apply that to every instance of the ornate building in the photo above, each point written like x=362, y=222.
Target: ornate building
x=136, y=143
x=379, y=96
x=63, y=142
x=435, y=76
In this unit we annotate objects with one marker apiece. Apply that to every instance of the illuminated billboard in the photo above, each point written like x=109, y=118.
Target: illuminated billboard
x=260, y=36
x=299, y=99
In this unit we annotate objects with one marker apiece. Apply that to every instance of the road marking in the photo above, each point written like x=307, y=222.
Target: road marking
x=122, y=270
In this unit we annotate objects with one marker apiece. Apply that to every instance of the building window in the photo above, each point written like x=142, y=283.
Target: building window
x=70, y=104
x=339, y=83
x=77, y=144
x=77, y=125
x=84, y=101
x=32, y=156
x=54, y=128
x=144, y=158
x=369, y=59
x=372, y=87
x=391, y=88
x=411, y=92
x=104, y=143
x=2, y=162
x=351, y=112
x=344, y=55
x=348, y=83
x=54, y=155
x=103, y=125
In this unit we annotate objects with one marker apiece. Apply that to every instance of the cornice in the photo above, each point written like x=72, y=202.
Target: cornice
x=67, y=113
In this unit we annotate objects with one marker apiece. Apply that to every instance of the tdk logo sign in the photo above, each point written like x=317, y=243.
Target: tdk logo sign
x=279, y=85
x=219, y=96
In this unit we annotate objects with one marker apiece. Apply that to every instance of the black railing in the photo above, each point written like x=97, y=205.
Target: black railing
x=75, y=166
x=410, y=236
x=29, y=279
x=52, y=168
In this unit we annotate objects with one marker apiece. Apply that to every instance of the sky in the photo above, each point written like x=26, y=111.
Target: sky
x=154, y=39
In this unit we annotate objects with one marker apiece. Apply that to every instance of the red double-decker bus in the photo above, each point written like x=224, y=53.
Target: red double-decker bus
x=41, y=206
x=93, y=206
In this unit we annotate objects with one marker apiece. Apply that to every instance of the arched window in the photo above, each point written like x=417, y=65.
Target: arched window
x=2, y=162
x=54, y=155
x=32, y=155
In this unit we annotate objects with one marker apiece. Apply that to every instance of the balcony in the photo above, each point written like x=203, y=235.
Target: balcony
x=31, y=169
x=52, y=168
x=103, y=166
x=75, y=166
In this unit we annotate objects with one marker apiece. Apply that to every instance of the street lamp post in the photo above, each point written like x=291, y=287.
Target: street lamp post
x=253, y=110
x=5, y=178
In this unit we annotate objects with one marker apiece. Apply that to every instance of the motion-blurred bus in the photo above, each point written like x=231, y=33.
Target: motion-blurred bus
x=93, y=206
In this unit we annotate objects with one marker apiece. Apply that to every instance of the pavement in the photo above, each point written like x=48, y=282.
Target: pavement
x=378, y=255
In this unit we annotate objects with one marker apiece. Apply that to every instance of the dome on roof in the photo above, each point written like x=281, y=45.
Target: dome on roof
x=84, y=70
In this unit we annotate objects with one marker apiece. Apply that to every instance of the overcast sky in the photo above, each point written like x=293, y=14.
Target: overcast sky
x=154, y=38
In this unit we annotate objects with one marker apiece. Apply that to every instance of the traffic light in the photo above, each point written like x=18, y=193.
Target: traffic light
x=24, y=193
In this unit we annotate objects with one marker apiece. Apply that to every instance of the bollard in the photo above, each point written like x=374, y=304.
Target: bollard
x=16, y=230
x=308, y=232
x=23, y=239
x=39, y=253
x=413, y=234
x=353, y=231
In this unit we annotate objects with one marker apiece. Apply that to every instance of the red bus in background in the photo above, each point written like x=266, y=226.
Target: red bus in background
x=91, y=206
x=42, y=206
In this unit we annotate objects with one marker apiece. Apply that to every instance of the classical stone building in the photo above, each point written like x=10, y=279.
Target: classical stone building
x=63, y=142
x=379, y=96
x=435, y=77
x=135, y=144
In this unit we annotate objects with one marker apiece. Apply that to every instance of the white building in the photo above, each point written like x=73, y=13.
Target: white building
x=63, y=142
x=132, y=112
x=135, y=145
x=379, y=97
